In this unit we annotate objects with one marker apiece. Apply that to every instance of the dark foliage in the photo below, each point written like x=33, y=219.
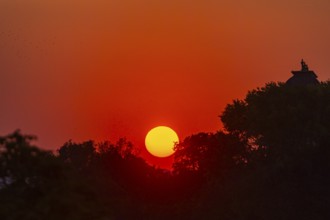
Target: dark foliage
x=287, y=129
x=271, y=162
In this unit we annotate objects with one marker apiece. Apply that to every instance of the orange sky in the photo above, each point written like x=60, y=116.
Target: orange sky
x=103, y=69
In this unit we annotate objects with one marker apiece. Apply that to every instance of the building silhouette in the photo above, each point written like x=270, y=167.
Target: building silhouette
x=303, y=77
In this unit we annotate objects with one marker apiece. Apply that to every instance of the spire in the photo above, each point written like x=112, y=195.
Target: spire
x=304, y=66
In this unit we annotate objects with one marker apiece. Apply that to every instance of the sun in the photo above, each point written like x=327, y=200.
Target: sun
x=160, y=141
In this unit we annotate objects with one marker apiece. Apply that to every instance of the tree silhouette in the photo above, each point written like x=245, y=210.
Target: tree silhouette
x=37, y=185
x=210, y=154
x=282, y=120
x=287, y=130
x=270, y=162
x=22, y=164
x=79, y=156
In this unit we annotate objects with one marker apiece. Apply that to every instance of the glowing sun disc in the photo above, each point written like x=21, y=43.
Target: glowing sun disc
x=160, y=141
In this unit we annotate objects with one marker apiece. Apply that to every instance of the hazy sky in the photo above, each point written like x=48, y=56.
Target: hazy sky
x=102, y=69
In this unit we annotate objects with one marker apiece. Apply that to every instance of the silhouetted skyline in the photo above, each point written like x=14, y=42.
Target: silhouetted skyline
x=105, y=69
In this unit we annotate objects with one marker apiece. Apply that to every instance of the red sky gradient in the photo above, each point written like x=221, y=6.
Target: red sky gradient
x=103, y=69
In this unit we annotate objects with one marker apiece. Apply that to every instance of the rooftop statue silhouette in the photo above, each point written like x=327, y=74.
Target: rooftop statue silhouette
x=303, y=77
